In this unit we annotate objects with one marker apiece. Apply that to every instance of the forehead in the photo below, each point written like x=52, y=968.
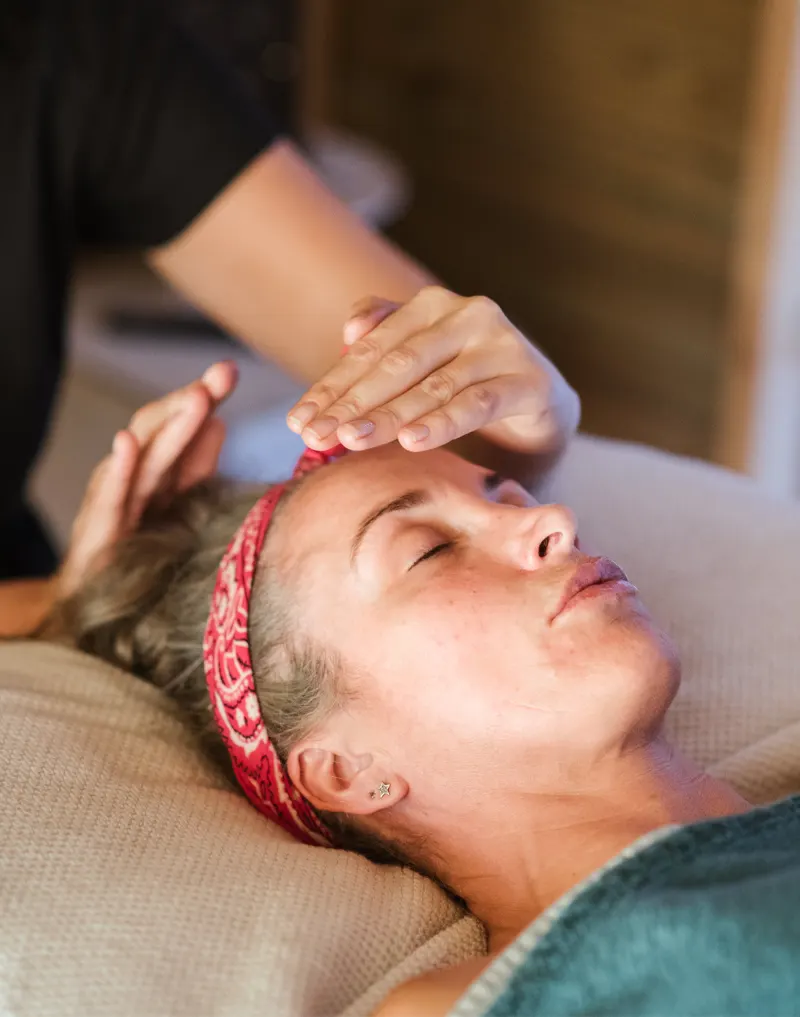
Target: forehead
x=327, y=509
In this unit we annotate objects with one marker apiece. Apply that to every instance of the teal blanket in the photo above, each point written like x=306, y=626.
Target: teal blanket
x=703, y=921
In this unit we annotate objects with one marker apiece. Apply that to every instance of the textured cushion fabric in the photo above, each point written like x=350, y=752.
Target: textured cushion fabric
x=135, y=882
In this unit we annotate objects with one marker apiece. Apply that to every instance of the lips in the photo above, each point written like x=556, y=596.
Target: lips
x=592, y=572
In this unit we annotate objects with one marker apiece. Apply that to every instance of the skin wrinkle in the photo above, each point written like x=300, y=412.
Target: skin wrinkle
x=533, y=706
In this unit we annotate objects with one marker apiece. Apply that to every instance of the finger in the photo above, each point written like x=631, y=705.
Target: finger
x=361, y=358
x=425, y=354
x=220, y=380
x=434, y=391
x=100, y=520
x=147, y=420
x=366, y=316
x=470, y=410
x=163, y=453
x=200, y=460
x=124, y=456
x=108, y=487
x=217, y=383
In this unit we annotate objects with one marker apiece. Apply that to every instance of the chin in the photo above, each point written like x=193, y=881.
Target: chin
x=648, y=676
x=637, y=659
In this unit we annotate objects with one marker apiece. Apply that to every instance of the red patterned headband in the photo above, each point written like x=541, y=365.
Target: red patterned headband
x=229, y=672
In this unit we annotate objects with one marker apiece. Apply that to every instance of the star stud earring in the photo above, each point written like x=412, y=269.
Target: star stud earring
x=381, y=792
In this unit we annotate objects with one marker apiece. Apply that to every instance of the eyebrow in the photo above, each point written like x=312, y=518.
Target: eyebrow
x=409, y=500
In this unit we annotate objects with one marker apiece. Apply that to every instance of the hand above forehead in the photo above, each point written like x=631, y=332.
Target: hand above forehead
x=433, y=370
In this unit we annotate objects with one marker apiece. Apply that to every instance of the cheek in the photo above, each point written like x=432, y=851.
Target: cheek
x=622, y=638
x=423, y=655
x=458, y=624
x=454, y=657
x=617, y=676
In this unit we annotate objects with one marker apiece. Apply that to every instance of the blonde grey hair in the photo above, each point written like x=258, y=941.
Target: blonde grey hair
x=146, y=612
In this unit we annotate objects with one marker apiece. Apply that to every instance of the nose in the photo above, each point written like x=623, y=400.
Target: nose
x=546, y=536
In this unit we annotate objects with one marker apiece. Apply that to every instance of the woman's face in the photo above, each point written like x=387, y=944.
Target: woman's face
x=460, y=608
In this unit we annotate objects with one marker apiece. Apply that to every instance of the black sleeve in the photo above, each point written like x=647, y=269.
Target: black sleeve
x=160, y=127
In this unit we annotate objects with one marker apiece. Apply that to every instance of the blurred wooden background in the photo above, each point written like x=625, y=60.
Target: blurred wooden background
x=582, y=162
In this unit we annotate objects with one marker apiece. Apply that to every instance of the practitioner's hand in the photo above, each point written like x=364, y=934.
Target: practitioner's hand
x=168, y=446
x=432, y=370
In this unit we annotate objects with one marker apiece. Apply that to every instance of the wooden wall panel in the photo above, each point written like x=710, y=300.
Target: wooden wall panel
x=579, y=161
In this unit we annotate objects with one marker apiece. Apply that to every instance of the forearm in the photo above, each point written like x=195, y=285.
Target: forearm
x=24, y=604
x=279, y=261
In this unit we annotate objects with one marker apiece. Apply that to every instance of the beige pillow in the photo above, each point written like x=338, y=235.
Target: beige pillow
x=134, y=882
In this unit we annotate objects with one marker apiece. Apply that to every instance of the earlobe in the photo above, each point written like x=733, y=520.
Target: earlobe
x=339, y=782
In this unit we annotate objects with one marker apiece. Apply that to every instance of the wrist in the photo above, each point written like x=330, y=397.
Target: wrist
x=544, y=432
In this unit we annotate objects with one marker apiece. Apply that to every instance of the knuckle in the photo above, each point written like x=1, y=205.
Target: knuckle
x=401, y=360
x=441, y=425
x=391, y=418
x=436, y=296
x=483, y=308
x=322, y=394
x=440, y=385
x=366, y=349
x=352, y=406
x=197, y=393
x=486, y=400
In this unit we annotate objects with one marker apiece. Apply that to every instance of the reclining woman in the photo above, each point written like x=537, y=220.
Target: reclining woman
x=408, y=655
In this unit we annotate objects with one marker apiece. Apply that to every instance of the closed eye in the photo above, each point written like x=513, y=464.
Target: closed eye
x=433, y=551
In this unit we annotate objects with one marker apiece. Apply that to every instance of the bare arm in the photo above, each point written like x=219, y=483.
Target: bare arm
x=280, y=261
x=24, y=603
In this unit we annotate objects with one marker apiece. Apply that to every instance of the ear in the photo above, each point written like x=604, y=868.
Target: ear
x=337, y=780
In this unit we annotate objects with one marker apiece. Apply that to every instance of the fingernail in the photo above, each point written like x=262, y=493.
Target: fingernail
x=298, y=418
x=416, y=432
x=353, y=330
x=115, y=444
x=357, y=429
x=323, y=427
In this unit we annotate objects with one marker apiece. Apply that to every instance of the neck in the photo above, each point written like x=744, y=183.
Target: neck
x=554, y=841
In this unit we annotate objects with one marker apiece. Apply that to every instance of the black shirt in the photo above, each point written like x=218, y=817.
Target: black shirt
x=115, y=127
